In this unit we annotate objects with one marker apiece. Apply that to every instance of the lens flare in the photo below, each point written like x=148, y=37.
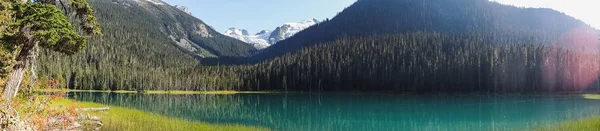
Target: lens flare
x=574, y=63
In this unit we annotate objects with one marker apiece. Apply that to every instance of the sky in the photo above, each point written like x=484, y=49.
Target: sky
x=586, y=10
x=257, y=15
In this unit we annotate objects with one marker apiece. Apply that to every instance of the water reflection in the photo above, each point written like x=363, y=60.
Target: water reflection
x=361, y=111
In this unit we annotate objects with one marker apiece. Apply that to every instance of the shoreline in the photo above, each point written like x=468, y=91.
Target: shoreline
x=584, y=123
x=171, y=92
x=588, y=95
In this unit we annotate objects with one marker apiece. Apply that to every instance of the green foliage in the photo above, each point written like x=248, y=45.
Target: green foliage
x=6, y=50
x=50, y=27
x=45, y=24
x=85, y=13
x=136, y=52
x=5, y=18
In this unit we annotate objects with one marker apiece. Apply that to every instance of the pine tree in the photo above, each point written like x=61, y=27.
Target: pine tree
x=5, y=54
x=43, y=23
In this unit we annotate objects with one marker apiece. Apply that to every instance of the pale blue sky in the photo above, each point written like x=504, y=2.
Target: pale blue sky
x=257, y=15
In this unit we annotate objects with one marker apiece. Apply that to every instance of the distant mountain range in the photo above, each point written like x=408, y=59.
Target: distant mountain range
x=266, y=38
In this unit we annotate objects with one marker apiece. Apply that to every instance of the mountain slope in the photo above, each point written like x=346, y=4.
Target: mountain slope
x=434, y=46
x=371, y=46
x=429, y=62
x=146, y=44
x=266, y=38
x=373, y=17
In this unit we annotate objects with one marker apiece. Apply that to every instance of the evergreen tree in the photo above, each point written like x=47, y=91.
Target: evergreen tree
x=42, y=23
x=374, y=45
x=5, y=54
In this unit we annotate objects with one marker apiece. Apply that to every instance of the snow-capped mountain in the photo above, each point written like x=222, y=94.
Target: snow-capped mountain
x=259, y=40
x=156, y=2
x=266, y=38
x=183, y=8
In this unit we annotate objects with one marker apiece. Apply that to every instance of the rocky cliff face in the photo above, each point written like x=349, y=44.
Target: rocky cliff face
x=172, y=23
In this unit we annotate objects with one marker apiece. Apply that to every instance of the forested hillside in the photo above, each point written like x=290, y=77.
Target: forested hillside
x=376, y=17
x=373, y=45
x=144, y=45
x=431, y=62
x=434, y=45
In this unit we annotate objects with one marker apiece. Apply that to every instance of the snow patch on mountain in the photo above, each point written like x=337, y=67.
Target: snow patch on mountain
x=266, y=38
x=259, y=41
x=299, y=26
x=183, y=8
x=156, y=2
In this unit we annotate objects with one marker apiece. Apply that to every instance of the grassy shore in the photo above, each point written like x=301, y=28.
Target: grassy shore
x=170, y=92
x=592, y=96
x=124, y=119
x=590, y=124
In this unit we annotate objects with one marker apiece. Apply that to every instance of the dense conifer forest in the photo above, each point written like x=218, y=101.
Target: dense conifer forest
x=380, y=17
x=136, y=51
x=409, y=45
x=430, y=62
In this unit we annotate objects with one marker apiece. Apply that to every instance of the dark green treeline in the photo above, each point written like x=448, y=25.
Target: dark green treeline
x=373, y=45
x=414, y=62
x=430, y=62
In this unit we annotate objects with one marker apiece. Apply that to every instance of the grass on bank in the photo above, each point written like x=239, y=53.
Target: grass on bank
x=591, y=124
x=124, y=119
x=592, y=96
x=170, y=92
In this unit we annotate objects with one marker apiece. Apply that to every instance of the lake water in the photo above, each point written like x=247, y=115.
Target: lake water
x=331, y=111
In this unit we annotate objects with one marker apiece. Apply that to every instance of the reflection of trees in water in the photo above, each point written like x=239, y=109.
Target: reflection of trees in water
x=213, y=106
x=357, y=112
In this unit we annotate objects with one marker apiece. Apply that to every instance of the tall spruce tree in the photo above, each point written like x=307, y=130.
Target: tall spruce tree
x=42, y=23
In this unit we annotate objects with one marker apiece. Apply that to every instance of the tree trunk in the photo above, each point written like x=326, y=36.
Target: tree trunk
x=14, y=81
x=16, y=74
x=32, y=62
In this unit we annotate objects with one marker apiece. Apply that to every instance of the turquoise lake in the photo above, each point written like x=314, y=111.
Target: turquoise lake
x=360, y=112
